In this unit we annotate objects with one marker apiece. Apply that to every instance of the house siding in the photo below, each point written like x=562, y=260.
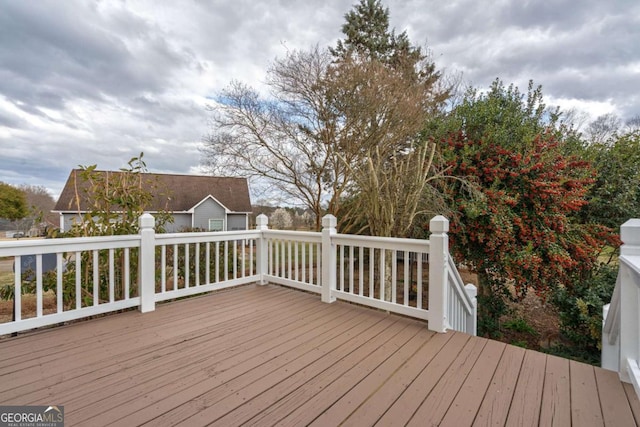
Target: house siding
x=209, y=209
x=236, y=222
x=181, y=221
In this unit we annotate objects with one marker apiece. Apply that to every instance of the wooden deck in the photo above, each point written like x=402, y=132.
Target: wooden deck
x=269, y=355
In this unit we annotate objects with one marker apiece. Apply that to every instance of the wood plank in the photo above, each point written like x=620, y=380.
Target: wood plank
x=613, y=400
x=556, y=395
x=266, y=355
x=464, y=408
x=82, y=364
x=353, y=388
x=117, y=332
x=376, y=404
x=527, y=396
x=313, y=390
x=438, y=401
x=497, y=401
x=634, y=403
x=585, y=405
x=403, y=409
x=182, y=399
x=146, y=365
x=222, y=400
x=355, y=349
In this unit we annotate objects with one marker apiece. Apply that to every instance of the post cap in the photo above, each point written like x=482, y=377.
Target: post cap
x=146, y=220
x=262, y=219
x=630, y=232
x=329, y=221
x=439, y=224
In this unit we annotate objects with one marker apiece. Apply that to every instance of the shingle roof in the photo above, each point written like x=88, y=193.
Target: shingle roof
x=174, y=193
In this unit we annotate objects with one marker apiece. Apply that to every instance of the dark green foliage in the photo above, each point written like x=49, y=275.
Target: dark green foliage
x=615, y=196
x=518, y=324
x=580, y=309
x=13, y=204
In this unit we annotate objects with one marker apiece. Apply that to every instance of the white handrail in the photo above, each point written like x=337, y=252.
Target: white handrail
x=180, y=264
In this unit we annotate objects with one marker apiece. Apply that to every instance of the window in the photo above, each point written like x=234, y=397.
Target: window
x=216, y=225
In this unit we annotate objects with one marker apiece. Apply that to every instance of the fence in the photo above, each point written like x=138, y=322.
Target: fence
x=621, y=325
x=97, y=275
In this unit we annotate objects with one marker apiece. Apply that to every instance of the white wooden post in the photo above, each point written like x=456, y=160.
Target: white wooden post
x=262, y=253
x=329, y=223
x=438, y=264
x=629, y=304
x=146, y=263
x=472, y=320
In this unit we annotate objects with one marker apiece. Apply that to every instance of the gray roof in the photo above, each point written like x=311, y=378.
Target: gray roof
x=174, y=193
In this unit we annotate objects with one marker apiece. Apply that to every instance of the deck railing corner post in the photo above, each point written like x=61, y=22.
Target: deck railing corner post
x=147, y=285
x=472, y=321
x=262, y=224
x=329, y=269
x=438, y=265
x=629, y=300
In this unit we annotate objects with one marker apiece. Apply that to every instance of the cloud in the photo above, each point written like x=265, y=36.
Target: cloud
x=85, y=82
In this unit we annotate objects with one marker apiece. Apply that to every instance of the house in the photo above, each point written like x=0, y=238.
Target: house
x=203, y=202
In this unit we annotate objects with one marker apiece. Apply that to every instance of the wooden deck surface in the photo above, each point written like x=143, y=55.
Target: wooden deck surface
x=273, y=356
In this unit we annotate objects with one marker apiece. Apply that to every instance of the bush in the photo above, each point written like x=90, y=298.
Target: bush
x=580, y=310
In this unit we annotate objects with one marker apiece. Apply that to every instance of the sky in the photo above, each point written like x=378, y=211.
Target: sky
x=97, y=82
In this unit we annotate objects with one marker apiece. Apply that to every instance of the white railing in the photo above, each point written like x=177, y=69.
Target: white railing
x=93, y=275
x=102, y=274
x=621, y=325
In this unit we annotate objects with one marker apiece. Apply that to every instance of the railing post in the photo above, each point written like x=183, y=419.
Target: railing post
x=262, y=252
x=438, y=264
x=472, y=320
x=629, y=293
x=146, y=262
x=329, y=223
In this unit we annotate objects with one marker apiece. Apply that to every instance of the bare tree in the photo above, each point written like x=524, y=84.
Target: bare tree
x=39, y=203
x=632, y=124
x=287, y=139
x=603, y=128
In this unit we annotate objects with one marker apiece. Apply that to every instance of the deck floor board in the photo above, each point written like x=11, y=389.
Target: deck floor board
x=268, y=355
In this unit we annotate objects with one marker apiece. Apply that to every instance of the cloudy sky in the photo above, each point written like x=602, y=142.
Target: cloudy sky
x=97, y=82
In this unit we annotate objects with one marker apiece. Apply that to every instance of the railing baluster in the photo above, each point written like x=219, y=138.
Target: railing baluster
x=406, y=263
x=186, y=265
x=39, y=285
x=78, y=261
x=296, y=269
x=127, y=274
x=112, y=274
x=361, y=270
x=341, y=261
x=163, y=269
x=217, y=257
x=319, y=264
x=289, y=259
x=250, y=257
x=419, y=282
x=372, y=261
x=17, y=282
x=394, y=274
x=311, y=263
x=244, y=248
x=207, y=273
x=351, y=261
x=96, y=278
x=197, y=272
x=59, y=266
x=175, y=267
x=225, y=261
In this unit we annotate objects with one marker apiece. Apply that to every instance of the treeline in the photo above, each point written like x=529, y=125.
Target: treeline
x=370, y=130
